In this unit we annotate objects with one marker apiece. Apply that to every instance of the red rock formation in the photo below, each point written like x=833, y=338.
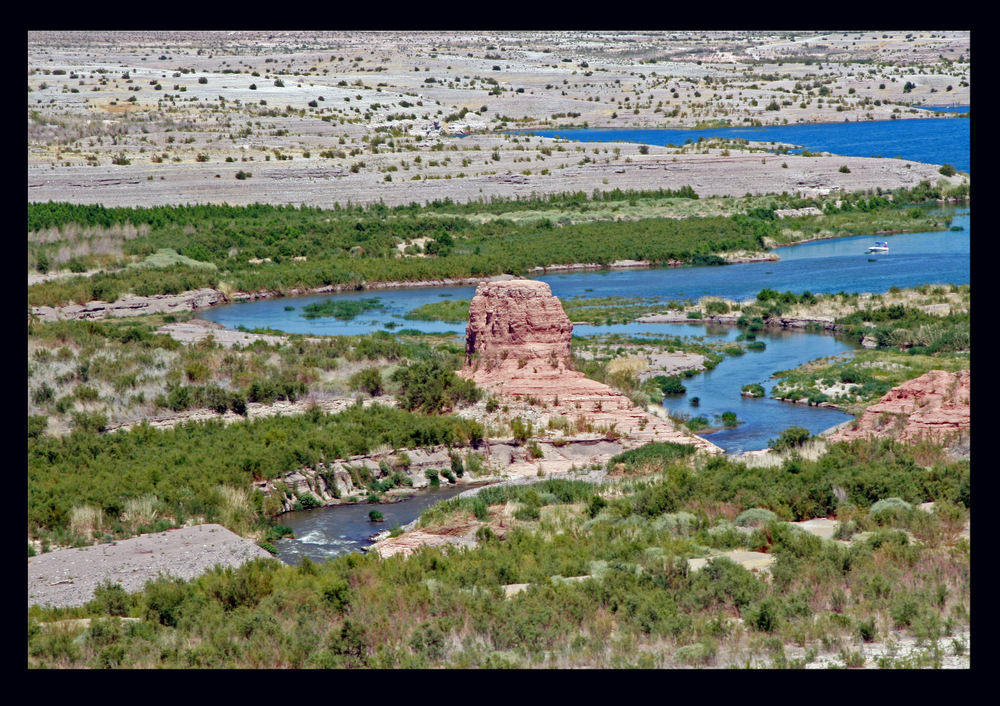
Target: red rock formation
x=518, y=346
x=934, y=406
x=517, y=319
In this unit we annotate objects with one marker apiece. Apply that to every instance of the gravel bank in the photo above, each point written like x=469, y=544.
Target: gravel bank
x=68, y=577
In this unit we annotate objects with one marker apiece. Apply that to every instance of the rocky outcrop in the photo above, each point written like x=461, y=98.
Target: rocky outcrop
x=518, y=348
x=133, y=306
x=933, y=407
x=519, y=320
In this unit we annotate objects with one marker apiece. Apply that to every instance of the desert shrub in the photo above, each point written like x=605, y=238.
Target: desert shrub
x=763, y=616
x=669, y=385
x=889, y=506
x=679, y=522
x=755, y=517
x=724, y=582
x=698, y=654
x=528, y=512
x=37, y=423
x=428, y=386
x=521, y=429
x=480, y=509
x=367, y=380
x=716, y=307
x=656, y=454
x=112, y=599
x=790, y=438
x=867, y=630
x=655, y=499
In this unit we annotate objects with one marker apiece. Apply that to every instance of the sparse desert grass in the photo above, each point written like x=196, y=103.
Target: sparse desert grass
x=141, y=510
x=85, y=520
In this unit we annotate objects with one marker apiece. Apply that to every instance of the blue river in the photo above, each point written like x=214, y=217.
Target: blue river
x=824, y=266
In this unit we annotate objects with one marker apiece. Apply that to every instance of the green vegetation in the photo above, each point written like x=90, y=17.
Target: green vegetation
x=452, y=311
x=609, y=310
x=279, y=248
x=123, y=368
x=340, y=309
x=855, y=382
x=669, y=385
x=184, y=467
x=631, y=537
x=911, y=329
x=790, y=438
x=430, y=387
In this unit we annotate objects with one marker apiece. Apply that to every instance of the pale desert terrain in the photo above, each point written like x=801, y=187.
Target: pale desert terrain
x=318, y=118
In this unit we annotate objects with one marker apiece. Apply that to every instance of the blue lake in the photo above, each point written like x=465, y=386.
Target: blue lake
x=929, y=140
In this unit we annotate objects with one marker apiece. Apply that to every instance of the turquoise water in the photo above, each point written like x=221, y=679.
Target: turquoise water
x=929, y=140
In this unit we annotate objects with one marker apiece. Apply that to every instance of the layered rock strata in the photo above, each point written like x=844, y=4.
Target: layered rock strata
x=933, y=407
x=518, y=348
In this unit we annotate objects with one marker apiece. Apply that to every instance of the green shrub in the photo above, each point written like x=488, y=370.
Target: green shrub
x=37, y=424
x=699, y=422
x=480, y=509
x=307, y=501
x=790, y=438
x=111, y=599
x=763, y=616
x=367, y=380
x=866, y=630
x=428, y=386
x=653, y=455
x=698, y=654
x=522, y=429
x=889, y=506
x=528, y=513
x=755, y=517
x=669, y=385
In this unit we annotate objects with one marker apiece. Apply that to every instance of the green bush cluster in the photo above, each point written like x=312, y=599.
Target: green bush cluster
x=358, y=611
x=185, y=464
x=429, y=386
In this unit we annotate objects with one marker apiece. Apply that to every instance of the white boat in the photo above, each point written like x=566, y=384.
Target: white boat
x=879, y=246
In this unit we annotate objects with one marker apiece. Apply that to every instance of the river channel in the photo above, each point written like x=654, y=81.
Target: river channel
x=826, y=266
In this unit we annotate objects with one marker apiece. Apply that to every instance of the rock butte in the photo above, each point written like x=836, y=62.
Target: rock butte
x=933, y=407
x=518, y=345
